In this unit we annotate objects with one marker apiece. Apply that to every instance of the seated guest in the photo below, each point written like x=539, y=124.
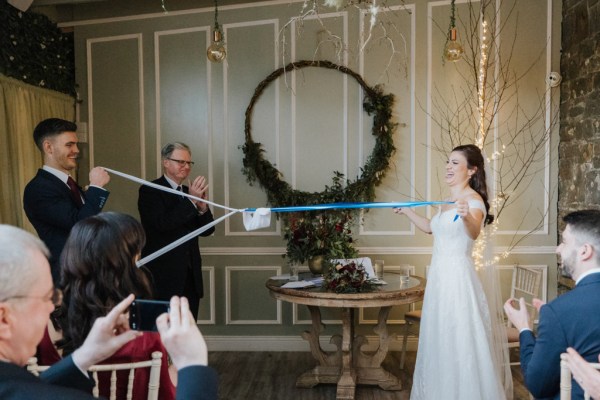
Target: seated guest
x=97, y=271
x=570, y=320
x=27, y=298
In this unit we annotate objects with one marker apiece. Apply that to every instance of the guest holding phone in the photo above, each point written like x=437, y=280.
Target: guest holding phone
x=97, y=271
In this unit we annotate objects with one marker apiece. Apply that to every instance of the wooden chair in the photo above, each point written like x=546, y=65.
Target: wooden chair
x=411, y=318
x=525, y=283
x=566, y=379
x=153, y=383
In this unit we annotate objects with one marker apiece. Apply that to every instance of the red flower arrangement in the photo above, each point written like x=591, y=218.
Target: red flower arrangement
x=347, y=278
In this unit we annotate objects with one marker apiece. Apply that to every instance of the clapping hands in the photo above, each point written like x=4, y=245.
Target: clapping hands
x=199, y=188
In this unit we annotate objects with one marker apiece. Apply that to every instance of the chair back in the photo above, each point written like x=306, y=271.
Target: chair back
x=566, y=379
x=526, y=283
x=153, y=383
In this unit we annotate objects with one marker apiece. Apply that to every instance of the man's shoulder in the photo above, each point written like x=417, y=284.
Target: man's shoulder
x=587, y=291
x=43, y=180
x=159, y=181
x=17, y=383
x=41, y=177
x=11, y=372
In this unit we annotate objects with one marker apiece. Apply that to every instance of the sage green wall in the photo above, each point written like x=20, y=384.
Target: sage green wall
x=145, y=81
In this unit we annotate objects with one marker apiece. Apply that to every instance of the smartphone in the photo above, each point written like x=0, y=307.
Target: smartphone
x=143, y=314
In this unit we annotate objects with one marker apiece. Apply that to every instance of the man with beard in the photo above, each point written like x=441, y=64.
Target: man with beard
x=571, y=320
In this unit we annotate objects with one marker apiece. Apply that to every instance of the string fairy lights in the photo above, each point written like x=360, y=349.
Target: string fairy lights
x=483, y=62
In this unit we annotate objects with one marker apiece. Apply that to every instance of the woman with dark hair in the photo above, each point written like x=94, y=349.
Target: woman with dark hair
x=97, y=271
x=457, y=356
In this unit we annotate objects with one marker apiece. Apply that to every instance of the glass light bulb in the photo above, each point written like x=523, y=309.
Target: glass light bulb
x=216, y=51
x=454, y=50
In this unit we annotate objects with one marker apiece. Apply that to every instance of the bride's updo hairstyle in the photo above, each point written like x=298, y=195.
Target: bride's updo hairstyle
x=477, y=182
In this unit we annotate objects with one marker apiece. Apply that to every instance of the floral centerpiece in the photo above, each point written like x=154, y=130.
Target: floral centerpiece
x=347, y=278
x=309, y=234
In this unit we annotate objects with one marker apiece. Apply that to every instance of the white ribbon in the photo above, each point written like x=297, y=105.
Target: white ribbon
x=261, y=218
x=181, y=240
x=168, y=189
x=253, y=218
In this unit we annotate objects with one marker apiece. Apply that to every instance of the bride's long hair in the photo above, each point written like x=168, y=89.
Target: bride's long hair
x=477, y=182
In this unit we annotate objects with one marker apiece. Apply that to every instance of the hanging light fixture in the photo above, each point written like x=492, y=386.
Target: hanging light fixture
x=453, y=50
x=216, y=51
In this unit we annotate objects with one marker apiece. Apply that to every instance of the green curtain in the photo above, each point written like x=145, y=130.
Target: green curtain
x=22, y=107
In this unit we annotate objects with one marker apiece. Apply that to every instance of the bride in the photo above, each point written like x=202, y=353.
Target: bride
x=457, y=356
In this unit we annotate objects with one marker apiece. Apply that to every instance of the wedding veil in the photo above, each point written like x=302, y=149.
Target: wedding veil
x=490, y=281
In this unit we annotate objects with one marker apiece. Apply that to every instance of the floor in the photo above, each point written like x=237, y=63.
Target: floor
x=272, y=376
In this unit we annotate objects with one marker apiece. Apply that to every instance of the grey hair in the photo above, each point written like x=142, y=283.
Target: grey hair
x=17, y=269
x=169, y=148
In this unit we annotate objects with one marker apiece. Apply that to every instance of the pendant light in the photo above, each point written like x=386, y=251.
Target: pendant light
x=453, y=50
x=216, y=51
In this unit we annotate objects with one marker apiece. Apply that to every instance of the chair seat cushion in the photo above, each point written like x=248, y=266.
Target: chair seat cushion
x=413, y=315
x=512, y=334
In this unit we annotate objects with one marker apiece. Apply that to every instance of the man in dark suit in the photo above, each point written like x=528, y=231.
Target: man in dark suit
x=571, y=320
x=167, y=217
x=27, y=297
x=52, y=200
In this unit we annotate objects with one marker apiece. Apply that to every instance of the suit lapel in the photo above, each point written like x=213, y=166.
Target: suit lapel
x=169, y=198
x=54, y=180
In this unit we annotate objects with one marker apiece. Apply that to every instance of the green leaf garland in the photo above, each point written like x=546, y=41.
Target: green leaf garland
x=362, y=189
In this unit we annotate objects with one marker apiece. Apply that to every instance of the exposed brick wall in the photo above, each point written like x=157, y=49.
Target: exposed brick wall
x=579, y=147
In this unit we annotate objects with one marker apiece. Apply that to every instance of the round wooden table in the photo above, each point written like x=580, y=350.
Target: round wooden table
x=348, y=365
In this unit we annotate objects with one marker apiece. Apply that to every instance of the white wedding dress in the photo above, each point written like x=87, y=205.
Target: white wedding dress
x=455, y=355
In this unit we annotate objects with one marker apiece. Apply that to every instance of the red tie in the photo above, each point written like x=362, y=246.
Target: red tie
x=75, y=194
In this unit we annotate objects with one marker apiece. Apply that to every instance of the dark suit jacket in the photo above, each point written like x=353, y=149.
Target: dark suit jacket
x=572, y=319
x=198, y=383
x=64, y=381
x=167, y=217
x=52, y=212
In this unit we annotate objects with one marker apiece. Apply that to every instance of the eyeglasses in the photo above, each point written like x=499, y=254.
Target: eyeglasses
x=182, y=162
x=55, y=297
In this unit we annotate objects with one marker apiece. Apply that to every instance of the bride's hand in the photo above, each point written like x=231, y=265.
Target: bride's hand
x=462, y=208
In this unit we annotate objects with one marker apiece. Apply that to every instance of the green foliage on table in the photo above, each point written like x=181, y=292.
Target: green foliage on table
x=327, y=233
x=35, y=51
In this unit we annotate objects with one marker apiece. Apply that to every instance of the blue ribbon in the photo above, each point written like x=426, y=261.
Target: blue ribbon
x=334, y=206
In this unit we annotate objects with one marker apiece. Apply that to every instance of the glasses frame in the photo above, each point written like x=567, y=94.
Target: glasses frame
x=56, y=297
x=182, y=163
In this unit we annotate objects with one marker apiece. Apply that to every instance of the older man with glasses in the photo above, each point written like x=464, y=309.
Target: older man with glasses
x=167, y=217
x=28, y=296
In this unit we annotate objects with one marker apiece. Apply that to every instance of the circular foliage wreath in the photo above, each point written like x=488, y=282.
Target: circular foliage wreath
x=280, y=193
